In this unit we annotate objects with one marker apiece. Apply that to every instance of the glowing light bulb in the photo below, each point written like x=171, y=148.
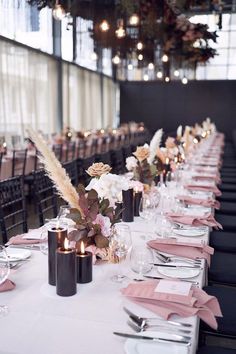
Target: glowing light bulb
x=145, y=77
x=139, y=45
x=167, y=79
x=104, y=26
x=116, y=60
x=159, y=74
x=176, y=73
x=151, y=66
x=94, y=56
x=165, y=58
x=134, y=20
x=58, y=12
x=130, y=67
x=120, y=32
x=184, y=81
x=140, y=57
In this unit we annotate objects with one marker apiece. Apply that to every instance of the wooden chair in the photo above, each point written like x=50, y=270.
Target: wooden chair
x=57, y=149
x=13, y=216
x=19, y=162
x=45, y=197
x=71, y=169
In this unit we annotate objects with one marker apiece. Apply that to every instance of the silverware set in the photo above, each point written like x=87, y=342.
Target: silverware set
x=179, y=331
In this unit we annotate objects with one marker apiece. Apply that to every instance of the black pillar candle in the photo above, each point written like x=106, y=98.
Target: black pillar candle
x=84, y=262
x=128, y=206
x=65, y=272
x=56, y=237
x=137, y=200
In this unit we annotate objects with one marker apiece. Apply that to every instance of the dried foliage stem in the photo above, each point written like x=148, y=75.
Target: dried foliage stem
x=56, y=172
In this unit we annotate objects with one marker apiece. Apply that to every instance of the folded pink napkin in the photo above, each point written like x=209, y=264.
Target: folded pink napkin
x=204, y=188
x=211, y=203
x=207, y=220
x=209, y=177
x=198, y=303
x=7, y=285
x=183, y=249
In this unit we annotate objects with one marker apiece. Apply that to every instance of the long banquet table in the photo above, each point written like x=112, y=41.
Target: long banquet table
x=39, y=321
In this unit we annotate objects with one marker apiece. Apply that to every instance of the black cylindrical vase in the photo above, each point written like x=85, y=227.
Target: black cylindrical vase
x=84, y=264
x=65, y=272
x=128, y=206
x=56, y=237
x=137, y=200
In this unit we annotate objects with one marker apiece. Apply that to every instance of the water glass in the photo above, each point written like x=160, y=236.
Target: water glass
x=141, y=260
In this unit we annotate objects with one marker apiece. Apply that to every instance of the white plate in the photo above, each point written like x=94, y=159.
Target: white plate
x=133, y=346
x=15, y=254
x=189, y=233
x=181, y=273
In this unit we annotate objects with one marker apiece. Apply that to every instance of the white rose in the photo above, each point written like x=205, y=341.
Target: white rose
x=131, y=163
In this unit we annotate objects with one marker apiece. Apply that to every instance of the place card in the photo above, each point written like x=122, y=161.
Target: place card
x=173, y=287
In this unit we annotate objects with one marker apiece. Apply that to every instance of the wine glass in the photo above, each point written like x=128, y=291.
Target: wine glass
x=120, y=244
x=146, y=208
x=141, y=260
x=4, y=272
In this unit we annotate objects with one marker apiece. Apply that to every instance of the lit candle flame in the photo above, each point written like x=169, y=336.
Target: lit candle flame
x=66, y=244
x=4, y=144
x=82, y=248
x=167, y=160
x=136, y=190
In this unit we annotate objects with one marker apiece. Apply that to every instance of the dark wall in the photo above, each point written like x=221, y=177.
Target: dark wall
x=166, y=105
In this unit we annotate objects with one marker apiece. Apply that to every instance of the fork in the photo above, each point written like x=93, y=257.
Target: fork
x=138, y=329
x=168, y=259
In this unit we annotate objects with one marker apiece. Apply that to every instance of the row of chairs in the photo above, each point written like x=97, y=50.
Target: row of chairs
x=222, y=271
x=13, y=215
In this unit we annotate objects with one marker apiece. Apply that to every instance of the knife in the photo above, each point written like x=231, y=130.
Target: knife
x=175, y=266
x=155, y=339
x=188, y=281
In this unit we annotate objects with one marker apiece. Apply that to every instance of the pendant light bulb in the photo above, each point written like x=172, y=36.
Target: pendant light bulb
x=139, y=45
x=165, y=58
x=116, y=60
x=58, y=12
x=145, y=77
x=150, y=66
x=134, y=20
x=130, y=67
x=140, y=57
x=184, y=81
x=104, y=26
x=159, y=74
x=167, y=79
x=176, y=73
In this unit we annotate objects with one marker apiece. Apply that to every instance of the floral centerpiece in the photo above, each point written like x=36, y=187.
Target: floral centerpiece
x=142, y=170
x=91, y=210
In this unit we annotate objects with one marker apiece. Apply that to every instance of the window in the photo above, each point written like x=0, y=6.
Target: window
x=223, y=66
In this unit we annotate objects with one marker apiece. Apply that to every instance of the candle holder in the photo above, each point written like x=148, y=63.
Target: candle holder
x=84, y=264
x=137, y=200
x=128, y=206
x=56, y=237
x=65, y=272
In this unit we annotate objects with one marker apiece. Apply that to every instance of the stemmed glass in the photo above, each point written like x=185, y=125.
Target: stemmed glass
x=4, y=272
x=146, y=208
x=141, y=260
x=120, y=244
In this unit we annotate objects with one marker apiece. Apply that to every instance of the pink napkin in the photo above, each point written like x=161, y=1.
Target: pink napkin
x=198, y=201
x=204, y=188
x=216, y=178
x=207, y=220
x=182, y=249
x=7, y=285
x=19, y=240
x=197, y=303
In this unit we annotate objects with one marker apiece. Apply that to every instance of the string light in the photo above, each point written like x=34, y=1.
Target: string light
x=151, y=66
x=184, y=81
x=176, y=73
x=134, y=20
x=140, y=57
x=104, y=26
x=165, y=58
x=159, y=74
x=58, y=11
x=116, y=60
x=167, y=79
x=139, y=45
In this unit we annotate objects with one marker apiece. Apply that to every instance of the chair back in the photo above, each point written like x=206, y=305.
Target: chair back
x=57, y=149
x=70, y=151
x=13, y=216
x=45, y=195
x=19, y=162
x=71, y=169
